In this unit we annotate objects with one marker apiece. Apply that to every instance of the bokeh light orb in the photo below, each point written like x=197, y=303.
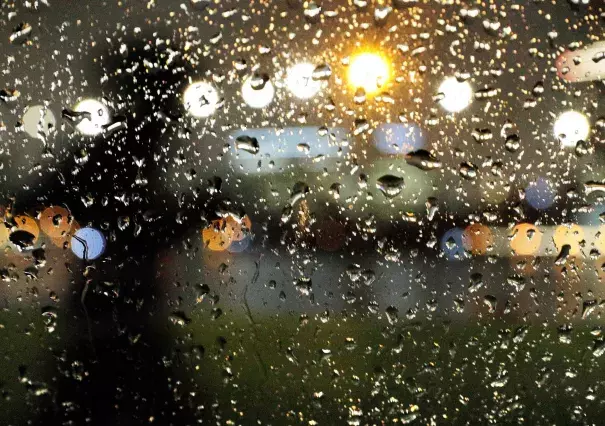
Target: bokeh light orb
x=238, y=230
x=4, y=234
x=240, y=246
x=452, y=245
x=38, y=118
x=201, y=99
x=540, y=194
x=569, y=234
x=300, y=83
x=28, y=224
x=571, y=127
x=217, y=236
x=398, y=139
x=64, y=241
x=369, y=71
x=88, y=243
x=257, y=97
x=98, y=117
x=477, y=238
x=599, y=240
x=55, y=221
x=525, y=239
x=457, y=95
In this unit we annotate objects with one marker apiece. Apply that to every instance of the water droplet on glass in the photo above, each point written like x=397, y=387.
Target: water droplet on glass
x=248, y=144
x=312, y=10
x=361, y=125
x=468, y=170
x=512, y=143
x=423, y=160
x=21, y=33
x=390, y=185
x=179, y=318
x=22, y=239
x=321, y=72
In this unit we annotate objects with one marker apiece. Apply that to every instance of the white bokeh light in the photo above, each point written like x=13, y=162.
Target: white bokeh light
x=300, y=82
x=257, y=98
x=99, y=117
x=201, y=99
x=456, y=95
x=571, y=127
x=36, y=119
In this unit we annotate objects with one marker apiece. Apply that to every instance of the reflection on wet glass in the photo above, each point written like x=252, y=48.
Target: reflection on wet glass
x=302, y=212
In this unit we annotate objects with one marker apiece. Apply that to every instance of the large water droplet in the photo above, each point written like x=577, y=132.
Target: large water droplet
x=423, y=159
x=390, y=185
x=248, y=144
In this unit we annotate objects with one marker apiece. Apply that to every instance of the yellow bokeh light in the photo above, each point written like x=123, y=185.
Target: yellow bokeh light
x=368, y=71
x=525, y=239
x=570, y=234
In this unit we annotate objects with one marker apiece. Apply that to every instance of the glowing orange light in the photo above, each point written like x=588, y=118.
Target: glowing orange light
x=477, y=238
x=217, y=236
x=368, y=71
x=600, y=239
x=29, y=224
x=525, y=239
x=4, y=233
x=64, y=240
x=55, y=221
x=239, y=230
x=599, y=265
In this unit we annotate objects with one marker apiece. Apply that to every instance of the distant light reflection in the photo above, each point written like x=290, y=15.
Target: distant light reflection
x=217, y=236
x=38, y=115
x=300, y=83
x=525, y=239
x=369, y=71
x=456, y=95
x=88, y=243
x=477, y=238
x=201, y=99
x=571, y=127
x=452, y=245
x=257, y=98
x=310, y=147
x=97, y=119
x=540, y=194
x=400, y=139
x=55, y=221
x=28, y=224
x=569, y=234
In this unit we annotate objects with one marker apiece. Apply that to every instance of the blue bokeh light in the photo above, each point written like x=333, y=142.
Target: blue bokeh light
x=239, y=246
x=88, y=243
x=540, y=194
x=451, y=244
x=399, y=138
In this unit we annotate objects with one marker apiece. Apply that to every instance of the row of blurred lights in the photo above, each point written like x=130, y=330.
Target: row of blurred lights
x=23, y=233
x=368, y=71
x=234, y=235
x=228, y=234
x=524, y=239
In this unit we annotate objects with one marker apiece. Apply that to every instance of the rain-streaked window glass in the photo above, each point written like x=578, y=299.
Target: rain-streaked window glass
x=308, y=212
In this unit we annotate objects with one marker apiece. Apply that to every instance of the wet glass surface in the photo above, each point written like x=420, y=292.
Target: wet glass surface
x=302, y=212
